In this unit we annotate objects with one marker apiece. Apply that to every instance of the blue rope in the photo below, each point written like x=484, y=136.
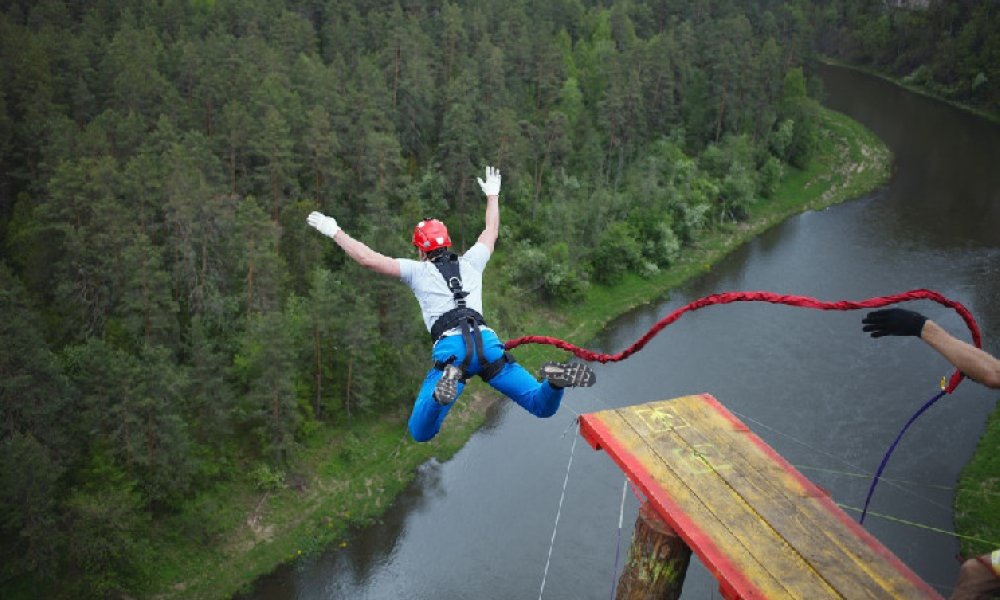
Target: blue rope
x=888, y=453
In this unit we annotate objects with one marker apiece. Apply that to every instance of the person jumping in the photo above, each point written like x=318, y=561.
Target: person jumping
x=449, y=289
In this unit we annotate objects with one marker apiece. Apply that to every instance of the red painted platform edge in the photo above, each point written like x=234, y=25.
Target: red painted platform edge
x=824, y=498
x=732, y=581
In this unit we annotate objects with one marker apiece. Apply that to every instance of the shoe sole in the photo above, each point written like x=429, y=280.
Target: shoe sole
x=446, y=389
x=568, y=374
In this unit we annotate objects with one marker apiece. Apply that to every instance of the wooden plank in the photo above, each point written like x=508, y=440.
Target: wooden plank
x=882, y=556
x=738, y=541
x=733, y=582
x=762, y=528
x=789, y=505
x=724, y=465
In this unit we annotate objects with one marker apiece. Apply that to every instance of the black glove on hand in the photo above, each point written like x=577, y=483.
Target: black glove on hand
x=893, y=321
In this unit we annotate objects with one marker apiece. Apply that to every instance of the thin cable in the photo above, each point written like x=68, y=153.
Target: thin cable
x=618, y=545
x=843, y=461
x=572, y=422
x=933, y=486
x=991, y=543
x=555, y=526
x=888, y=453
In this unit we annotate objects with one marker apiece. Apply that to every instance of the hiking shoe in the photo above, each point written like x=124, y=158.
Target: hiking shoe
x=574, y=374
x=446, y=389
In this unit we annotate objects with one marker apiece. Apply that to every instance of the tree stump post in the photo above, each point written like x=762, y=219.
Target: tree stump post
x=657, y=560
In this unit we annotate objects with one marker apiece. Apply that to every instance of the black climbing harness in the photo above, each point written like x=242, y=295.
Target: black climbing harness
x=467, y=319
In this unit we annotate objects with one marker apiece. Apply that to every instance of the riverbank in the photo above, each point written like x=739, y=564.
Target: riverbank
x=345, y=478
x=913, y=87
x=977, y=499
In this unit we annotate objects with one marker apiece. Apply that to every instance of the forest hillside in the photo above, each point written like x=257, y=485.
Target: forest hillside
x=170, y=324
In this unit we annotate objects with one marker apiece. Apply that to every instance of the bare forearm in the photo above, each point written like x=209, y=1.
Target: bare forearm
x=493, y=214
x=492, y=229
x=973, y=362
x=365, y=256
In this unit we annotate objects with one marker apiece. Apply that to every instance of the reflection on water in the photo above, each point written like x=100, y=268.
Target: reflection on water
x=945, y=161
x=826, y=397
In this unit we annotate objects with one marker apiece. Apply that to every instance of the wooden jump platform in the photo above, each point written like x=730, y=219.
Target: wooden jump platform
x=758, y=525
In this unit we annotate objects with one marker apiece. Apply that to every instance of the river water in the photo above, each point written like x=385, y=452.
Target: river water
x=825, y=396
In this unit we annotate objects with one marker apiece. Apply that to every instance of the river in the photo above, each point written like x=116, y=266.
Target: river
x=825, y=396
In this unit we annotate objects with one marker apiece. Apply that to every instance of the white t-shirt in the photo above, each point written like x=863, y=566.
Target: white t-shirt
x=430, y=288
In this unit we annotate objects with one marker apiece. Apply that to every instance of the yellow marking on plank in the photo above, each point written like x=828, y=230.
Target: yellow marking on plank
x=659, y=419
x=700, y=459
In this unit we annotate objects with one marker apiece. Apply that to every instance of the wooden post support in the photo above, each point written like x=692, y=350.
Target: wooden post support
x=657, y=561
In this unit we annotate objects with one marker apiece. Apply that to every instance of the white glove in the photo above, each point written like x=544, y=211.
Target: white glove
x=324, y=224
x=491, y=187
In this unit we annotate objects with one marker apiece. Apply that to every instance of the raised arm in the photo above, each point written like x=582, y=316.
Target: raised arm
x=491, y=187
x=358, y=251
x=975, y=363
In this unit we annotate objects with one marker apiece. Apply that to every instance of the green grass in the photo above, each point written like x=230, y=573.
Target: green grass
x=977, y=499
x=353, y=475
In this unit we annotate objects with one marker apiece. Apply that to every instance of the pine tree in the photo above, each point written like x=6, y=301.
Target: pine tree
x=31, y=542
x=253, y=256
x=267, y=404
x=33, y=391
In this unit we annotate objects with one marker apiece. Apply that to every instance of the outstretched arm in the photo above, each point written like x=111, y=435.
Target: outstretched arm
x=975, y=363
x=358, y=251
x=491, y=187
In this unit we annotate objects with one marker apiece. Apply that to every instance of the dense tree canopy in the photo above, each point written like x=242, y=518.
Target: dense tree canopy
x=169, y=319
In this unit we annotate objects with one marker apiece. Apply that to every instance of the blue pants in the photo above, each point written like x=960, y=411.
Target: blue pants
x=513, y=381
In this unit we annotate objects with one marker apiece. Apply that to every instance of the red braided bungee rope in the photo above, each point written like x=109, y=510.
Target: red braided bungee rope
x=757, y=296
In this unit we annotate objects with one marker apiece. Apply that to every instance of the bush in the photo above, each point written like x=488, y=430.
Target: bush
x=805, y=138
x=770, y=177
x=617, y=252
x=693, y=217
x=920, y=76
x=267, y=479
x=548, y=274
x=204, y=519
x=660, y=245
x=781, y=138
x=654, y=231
x=564, y=284
x=648, y=270
x=737, y=193
x=527, y=266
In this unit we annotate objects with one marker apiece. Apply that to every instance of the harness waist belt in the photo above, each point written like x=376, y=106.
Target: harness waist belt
x=453, y=318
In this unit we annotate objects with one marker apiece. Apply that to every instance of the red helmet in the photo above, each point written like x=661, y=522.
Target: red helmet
x=431, y=234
